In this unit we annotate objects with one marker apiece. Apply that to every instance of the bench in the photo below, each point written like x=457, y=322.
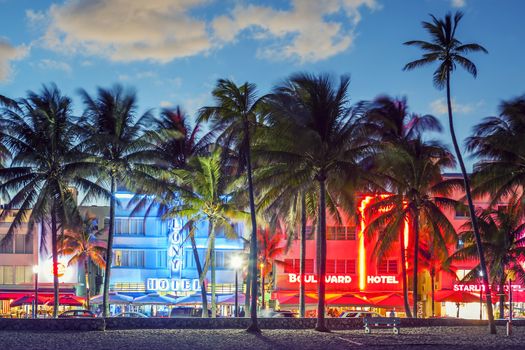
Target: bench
x=382, y=322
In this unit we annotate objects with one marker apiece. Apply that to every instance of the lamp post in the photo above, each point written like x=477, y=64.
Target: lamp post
x=262, y=285
x=236, y=263
x=35, y=308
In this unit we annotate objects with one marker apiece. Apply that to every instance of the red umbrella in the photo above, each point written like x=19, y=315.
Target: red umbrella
x=294, y=299
x=28, y=300
x=348, y=299
x=456, y=296
x=68, y=300
x=390, y=300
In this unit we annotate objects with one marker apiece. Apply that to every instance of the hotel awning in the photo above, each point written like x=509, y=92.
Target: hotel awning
x=456, y=296
x=350, y=300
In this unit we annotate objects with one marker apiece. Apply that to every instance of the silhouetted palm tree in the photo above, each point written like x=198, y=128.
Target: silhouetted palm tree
x=502, y=235
x=450, y=52
x=204, y=187
x=120, y=151
x=499, y=145
x=235, y=117
x=419, y=193
x=41, y=134
x=329, y=145
x=82, y=243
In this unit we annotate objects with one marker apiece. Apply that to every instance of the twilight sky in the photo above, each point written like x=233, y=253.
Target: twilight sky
x=173, y=51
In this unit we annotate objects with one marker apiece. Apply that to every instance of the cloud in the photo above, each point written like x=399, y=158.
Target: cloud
x=123, y=30
x=303, y=32
x=166, y=104
x=8, y=54
x=164, y=30
x=459, y=3
x=439, y=107
x=54, y=65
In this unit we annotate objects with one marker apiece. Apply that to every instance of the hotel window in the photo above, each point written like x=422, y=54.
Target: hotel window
x=162, y=258
x=340, y=233
x=461, y=213
x=129, y=258
x=23, y=274
x=308, y=266
x=289, y=266
x=219, y=259
x=129, y=226
x=23, y=244
x=5, y=247
x=294, y=265
x=7, y=275
x=350, y=267
x=310, y=232
x=330, y=266
x=387, y=266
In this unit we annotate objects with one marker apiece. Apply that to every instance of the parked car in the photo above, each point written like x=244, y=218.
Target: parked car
x=187, y=311
x=132, y=315
x=359, y=314
x=77, y=314
x=269, y=313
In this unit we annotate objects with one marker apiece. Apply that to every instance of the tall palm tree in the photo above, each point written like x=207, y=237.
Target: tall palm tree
x=329, y=144
x=419, y=193
x=205, y=197
x=450, y=52
x=120, y=152
x=83, y=245
x=498, y=144
x=235, y=117
x=271, y=247
x=41, y=134
x=502, y=236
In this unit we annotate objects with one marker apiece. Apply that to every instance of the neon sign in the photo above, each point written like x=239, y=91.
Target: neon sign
x=382, y=280
x=339, y=279
x=175, y=240
x=175, y=285
x=481, y=288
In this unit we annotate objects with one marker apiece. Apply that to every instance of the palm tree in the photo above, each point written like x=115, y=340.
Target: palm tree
x=270, y=248
x=234, y=117
x=41, y=134
x=329, y=144
x=502, y=236
x=449, y=52
x=419, y=193
x=205, y=197
x=120, y=152
x=82, y=243
x=498, y=144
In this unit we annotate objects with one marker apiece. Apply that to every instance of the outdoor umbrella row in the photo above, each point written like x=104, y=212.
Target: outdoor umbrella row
x=384, y=301
x=67, y=300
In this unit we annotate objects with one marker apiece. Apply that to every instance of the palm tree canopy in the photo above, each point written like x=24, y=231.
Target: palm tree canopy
x=498, y=143
x=503, y=238
x=42, y=136
x=444, y=48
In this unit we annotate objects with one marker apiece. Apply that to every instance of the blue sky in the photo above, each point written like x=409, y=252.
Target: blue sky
x=173, y=51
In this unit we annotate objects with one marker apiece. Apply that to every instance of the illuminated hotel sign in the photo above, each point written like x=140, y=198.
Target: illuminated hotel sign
x=480, y=287
x=175, y=285
x=295, y=278
x=175, y=246
x=382, y=280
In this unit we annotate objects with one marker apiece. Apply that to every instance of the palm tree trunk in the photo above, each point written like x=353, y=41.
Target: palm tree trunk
x=109, y=251
x=54, y=252
x=404, y=273
x=254, y=327
x=415, y=227
x=321, y=255
x=213, y=276
x=86, y=271
x=247, y=295
x=262, y=290
x=472, y=211
x=302, y=263
x=201, y=277
x=432, y=280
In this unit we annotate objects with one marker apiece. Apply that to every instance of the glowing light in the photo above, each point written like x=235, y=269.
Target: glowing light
x=361, y=257
x=236, y=262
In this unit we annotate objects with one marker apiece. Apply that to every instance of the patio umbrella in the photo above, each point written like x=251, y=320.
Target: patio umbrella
x=28, y=300
x=348, y=299
x=68, y=300
x=154, y=299
x=456, y=296
x=390, y=300
x=114, y=298
x=294, y=299
x=192, y=299
x=230, y=299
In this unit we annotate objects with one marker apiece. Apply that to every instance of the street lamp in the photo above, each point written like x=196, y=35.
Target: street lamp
x=35, y=308
x=236, y=262
x=262, y=285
